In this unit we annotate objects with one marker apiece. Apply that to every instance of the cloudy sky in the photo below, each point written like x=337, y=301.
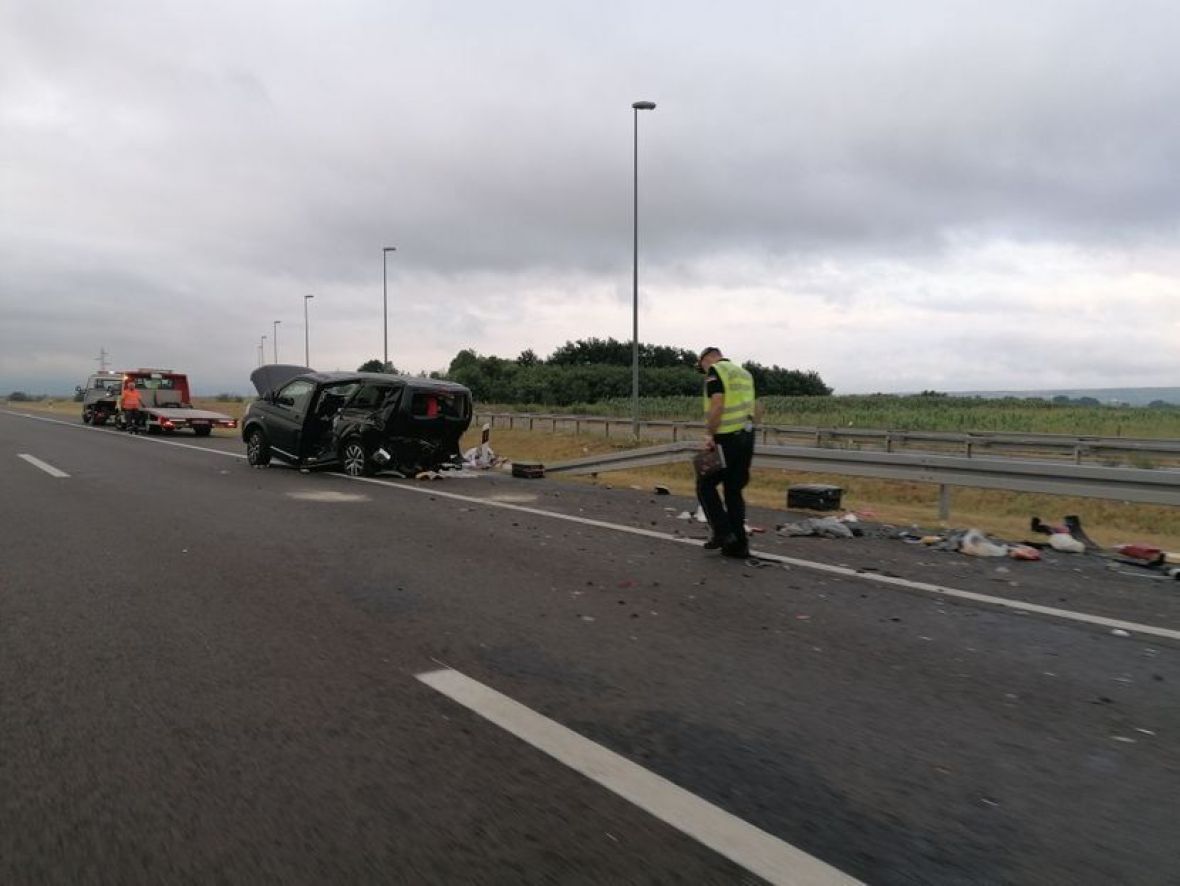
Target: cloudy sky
x=900, y=195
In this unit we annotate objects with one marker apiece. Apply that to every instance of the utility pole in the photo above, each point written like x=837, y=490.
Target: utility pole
x=102, y=359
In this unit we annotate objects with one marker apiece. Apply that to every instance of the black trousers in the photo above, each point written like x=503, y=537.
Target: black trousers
x=728, y=518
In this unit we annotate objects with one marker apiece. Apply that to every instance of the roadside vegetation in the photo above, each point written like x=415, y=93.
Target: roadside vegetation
x=918, y=412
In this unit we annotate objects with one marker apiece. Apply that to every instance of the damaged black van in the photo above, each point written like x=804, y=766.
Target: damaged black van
x=361, y=422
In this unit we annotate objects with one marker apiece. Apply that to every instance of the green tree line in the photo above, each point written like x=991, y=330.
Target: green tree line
x=592, y=370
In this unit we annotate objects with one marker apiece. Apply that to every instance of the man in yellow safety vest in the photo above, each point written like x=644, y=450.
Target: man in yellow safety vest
x=730, y=412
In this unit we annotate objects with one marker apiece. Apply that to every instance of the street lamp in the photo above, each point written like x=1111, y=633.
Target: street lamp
x=636, y=107
x=275, y=341
x=385, y=250
x=306, y=334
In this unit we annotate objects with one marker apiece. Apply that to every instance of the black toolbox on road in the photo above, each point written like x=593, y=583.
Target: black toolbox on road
x=814, y=497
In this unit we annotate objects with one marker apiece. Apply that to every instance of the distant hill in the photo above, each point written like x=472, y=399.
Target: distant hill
x=1113, y=396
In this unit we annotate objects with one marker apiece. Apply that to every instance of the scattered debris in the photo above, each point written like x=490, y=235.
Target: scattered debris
x=976, y=544
x=814, y=496
x=824, y=527
x=1141, y=552
x=428, y=475
x=1066, y=543
x=1023, y=552
x=1119, y=632
x=663, y=490
x=528, y=470
x=1074, y=524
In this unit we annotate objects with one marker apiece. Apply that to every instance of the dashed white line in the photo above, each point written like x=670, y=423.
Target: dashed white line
x=744, y=844
x=45, y=466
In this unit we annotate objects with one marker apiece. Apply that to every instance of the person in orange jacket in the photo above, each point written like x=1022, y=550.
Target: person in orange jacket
x=129, y=405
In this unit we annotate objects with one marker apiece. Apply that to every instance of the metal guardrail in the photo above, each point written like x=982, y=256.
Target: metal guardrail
x=1077, y=448
x=1160, y=487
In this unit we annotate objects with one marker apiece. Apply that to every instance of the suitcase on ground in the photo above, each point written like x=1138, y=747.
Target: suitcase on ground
x=814, y=497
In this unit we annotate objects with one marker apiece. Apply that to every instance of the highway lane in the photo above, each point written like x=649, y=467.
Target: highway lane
x=255, y=714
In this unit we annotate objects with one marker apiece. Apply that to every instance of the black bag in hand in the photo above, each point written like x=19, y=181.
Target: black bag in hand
x=708, y=463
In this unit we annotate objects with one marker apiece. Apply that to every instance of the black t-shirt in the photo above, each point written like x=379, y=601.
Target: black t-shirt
x=713, y=383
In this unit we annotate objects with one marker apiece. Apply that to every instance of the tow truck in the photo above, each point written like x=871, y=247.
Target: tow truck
x=156, y=401
x=100, y=397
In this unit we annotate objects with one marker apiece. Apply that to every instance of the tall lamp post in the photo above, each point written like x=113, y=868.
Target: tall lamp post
x=306, y=334
x=385, y=250
x=636, y=108
x=275, y=341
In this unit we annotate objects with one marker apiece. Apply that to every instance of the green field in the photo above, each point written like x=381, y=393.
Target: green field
x=913, y=413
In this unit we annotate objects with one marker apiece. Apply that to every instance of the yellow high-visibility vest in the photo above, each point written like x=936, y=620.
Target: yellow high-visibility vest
x=739, y=396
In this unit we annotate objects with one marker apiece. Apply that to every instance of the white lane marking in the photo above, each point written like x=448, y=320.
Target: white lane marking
x=755, y=850
x=145, y=438
x=925, y=587
x=45, y=466
x=845, y=571
x=327, y=495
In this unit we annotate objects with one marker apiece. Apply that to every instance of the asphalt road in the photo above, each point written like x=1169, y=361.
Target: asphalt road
x=210, y=673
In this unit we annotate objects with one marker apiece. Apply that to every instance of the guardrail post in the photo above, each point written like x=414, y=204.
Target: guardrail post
x=888, y=442
x=555, y=424
x=530, y=422
x=511, y=422
x=1077, y=455
x=944, y=502
x=577, y=426
x=675, y=433
x=607, y=424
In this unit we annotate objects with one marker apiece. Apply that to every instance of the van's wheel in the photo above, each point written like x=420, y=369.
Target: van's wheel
x=257, y=449
x=87, y=415
x=354, y=461
x=99, y=418
x=202, y=432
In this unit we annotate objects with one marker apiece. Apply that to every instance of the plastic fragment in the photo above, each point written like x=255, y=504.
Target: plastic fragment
x=1066, y=543
x=1119, y=632
x=1024, y=552
x=976, y=544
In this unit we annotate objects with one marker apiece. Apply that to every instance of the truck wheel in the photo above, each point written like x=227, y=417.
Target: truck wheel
x=202, y=432
x=354, y=460
x=257, y=449
x=99, y=418
x=86, y=416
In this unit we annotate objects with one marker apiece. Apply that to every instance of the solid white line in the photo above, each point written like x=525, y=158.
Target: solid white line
x=47, y=468
x=844, y=571
x=925, y=587
x=755, y=850
x=145, y=438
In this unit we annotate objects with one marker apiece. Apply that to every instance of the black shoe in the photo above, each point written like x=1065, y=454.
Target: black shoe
x=739, y=549
x=713, y=543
